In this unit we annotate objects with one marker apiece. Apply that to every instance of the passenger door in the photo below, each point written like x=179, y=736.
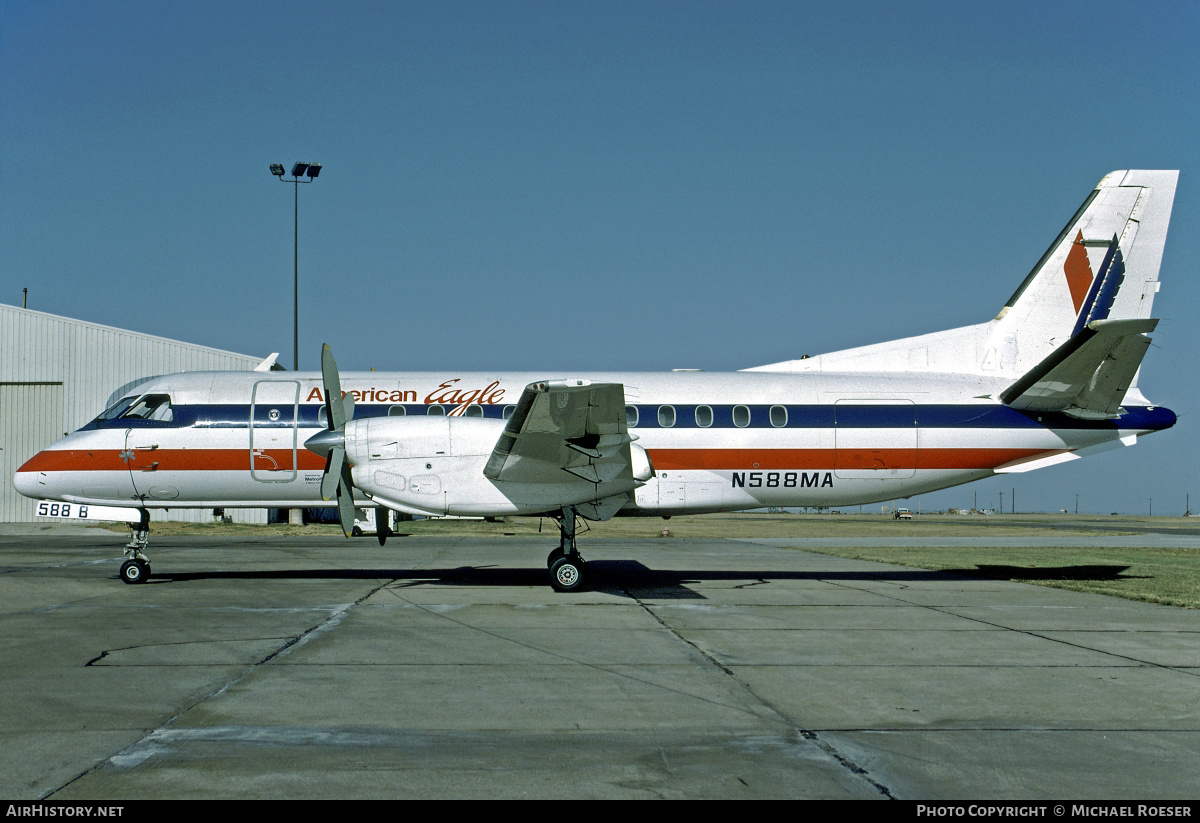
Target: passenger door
x=273, y=437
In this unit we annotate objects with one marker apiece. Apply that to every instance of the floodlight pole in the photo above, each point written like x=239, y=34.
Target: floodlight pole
x=298, y=169
x=296, y=277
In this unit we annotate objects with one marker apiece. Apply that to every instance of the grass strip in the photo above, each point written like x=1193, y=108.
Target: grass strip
x=1169, y=576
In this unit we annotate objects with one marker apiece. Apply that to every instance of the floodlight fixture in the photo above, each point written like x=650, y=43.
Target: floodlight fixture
x=299, y=169
x=313, y=170
x=277, y=169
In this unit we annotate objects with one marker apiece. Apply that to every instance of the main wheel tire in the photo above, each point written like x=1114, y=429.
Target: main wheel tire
x=568, y=574
x=554, y=555
x=135, y=571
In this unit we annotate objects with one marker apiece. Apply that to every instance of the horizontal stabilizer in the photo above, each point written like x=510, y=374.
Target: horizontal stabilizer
x=1028, y=464
x=1088, y=375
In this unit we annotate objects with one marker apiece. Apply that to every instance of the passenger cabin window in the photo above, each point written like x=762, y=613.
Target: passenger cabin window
x=631, y=416
x=397, y=411
x=508, y=411
x=704, y=416
x=322, y=417
x=151, y=407
x=741, y=416
x=436, y=411
x=778, y=416
x=666, y=416
x=473, y=410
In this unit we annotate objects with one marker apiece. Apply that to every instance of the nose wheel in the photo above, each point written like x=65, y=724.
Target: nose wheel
x=137, y=568
x=135, y=571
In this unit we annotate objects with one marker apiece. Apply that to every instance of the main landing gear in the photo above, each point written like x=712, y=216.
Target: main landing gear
x=568, y=570
x=137, y=568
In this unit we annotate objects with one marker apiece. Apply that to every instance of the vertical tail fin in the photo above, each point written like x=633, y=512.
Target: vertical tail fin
x=1103, y=266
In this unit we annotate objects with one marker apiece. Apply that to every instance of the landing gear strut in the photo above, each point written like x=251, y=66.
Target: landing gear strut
x=568, y=570
x=137, y=568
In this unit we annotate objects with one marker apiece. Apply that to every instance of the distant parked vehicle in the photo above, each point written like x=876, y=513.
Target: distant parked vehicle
x=902, y=514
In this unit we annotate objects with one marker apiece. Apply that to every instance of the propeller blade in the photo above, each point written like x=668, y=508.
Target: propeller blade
x=334, y=410
x=337, y=480
x=383, y=528
x=333, y=472
x=345, y=499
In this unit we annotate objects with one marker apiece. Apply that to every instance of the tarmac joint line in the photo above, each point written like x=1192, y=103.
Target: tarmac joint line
x=152, y=743
x=806, y=734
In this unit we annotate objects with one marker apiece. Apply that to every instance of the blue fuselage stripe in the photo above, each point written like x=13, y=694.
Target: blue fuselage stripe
x=891, y=416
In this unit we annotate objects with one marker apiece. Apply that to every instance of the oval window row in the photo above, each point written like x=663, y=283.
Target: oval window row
x=435, y=410
x=704, y=416
x=667, y=416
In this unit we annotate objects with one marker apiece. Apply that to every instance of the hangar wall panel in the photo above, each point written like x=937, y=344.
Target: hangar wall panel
x=89, y=363
x=27, y=411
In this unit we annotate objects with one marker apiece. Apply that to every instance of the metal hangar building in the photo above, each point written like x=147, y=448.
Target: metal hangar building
x=56, y=374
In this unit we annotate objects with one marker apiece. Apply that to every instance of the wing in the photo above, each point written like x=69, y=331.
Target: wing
x=568, y=427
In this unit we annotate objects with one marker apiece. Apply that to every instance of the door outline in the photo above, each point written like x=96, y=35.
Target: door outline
x=273, y=405
x=855, y=447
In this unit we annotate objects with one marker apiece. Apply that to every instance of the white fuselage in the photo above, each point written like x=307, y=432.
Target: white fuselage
x=716, y=441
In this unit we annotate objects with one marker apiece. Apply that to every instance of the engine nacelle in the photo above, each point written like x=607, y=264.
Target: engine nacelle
x=434, y=465
x=423, y=465
x=407, y=438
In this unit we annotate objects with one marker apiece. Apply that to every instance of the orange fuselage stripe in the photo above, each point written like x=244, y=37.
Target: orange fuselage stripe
x=66, y=460
x=740, y=459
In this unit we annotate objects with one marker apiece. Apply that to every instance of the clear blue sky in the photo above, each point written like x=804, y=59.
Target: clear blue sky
x=567, y=186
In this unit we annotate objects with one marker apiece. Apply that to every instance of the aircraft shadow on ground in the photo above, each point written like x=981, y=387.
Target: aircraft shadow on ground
x=1001, y=572
x=630, y=578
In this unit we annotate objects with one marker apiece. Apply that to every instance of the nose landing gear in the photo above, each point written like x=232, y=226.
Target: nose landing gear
x=137, y=568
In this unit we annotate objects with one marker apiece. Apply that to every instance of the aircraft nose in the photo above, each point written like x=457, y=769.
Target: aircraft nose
x=28, y=483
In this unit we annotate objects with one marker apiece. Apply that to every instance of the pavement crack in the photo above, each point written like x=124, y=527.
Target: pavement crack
x=609, y=670
x=151, y=743
x=845, y=762
x=811, y=736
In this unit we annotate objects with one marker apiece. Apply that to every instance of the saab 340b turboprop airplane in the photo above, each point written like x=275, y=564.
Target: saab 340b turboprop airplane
x=1051, y=378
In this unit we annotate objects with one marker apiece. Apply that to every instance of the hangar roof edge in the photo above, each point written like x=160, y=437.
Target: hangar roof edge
x=59, y=318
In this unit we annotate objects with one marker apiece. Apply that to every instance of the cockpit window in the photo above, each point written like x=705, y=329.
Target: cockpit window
x=150, y=407
x=117, y=409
